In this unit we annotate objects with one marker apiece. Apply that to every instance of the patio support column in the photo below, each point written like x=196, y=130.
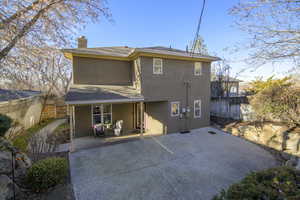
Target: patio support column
x=142, y=118
x=71, y=112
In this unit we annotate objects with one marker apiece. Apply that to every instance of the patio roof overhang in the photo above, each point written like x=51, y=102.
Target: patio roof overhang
x=94, y=94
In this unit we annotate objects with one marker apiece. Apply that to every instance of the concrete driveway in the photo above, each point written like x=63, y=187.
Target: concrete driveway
x=175, y=166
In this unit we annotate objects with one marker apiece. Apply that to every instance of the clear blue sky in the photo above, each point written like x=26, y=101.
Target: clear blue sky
x=140, y=23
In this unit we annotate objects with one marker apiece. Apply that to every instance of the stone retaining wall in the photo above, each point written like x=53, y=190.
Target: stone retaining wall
x=275, y=135
x=7, y=181
x=272, y=135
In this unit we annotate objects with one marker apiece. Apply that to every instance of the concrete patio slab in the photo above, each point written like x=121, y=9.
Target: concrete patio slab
x=175, y=166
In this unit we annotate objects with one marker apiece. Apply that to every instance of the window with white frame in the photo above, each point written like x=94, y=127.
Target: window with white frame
x=175, y=108
x=198, y=69
x=157, y=66
x=197, y=108
x=102, y=114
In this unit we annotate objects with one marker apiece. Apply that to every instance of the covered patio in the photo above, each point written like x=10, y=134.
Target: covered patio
x=104, y=106
x=89, y=142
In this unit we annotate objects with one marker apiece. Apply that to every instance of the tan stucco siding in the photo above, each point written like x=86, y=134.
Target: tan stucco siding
x=156, y=116
x=175, y=124
x=95, y=71
x=204, y=95
x=123, y=112
x=170, y=87
x=83, y=118
x=167, y=87
x=83, y=121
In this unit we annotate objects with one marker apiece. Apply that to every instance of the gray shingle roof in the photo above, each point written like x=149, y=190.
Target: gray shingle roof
x=105, y=51
x=128, y=51
x=81, y=94
x=7, y=95
x=174, y=52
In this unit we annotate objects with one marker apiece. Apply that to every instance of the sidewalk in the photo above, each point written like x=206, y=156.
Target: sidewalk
x=47, y=130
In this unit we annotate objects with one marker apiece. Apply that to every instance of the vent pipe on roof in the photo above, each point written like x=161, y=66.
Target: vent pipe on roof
x=82, y=42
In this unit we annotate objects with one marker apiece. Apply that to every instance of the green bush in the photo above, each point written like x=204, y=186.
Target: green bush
x=5, y=123
x=276, y=99
x=47, y=173
x=272, y=184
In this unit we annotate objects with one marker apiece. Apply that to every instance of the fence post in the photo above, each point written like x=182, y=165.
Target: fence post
x=13, y=156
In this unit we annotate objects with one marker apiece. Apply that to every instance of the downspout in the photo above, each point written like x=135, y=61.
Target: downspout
x=71, y=114
x=187, y=109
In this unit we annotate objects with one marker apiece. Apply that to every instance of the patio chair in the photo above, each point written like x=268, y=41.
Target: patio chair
x=118, y=127
x=99, y=130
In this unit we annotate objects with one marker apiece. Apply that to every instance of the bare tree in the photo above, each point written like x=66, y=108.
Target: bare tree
x=26, y=23
x=198, y=46
x=221, y=77
x=41, y=143
x=43, y=69
x=32, y=31
x=273, y=27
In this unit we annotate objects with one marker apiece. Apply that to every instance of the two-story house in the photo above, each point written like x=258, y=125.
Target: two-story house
x=154, y=90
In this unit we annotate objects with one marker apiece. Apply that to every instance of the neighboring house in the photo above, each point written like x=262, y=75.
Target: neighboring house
x=155, y=90
x=226, y=99
x=23, y=106
x=225, y=87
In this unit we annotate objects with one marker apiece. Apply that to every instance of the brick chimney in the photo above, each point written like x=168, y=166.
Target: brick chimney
x=82, y=42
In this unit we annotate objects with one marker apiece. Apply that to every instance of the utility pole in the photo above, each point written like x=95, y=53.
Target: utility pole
x=198, y=27
x=187, y=84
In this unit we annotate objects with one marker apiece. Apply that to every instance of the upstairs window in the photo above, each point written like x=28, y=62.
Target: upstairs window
x=197, y=108
x=198, y=69
x=102, y=114
x=157, y=66
x=175, y=106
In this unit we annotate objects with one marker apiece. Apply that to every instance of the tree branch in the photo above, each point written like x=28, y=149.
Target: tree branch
x=25, y=29
x=18, y=14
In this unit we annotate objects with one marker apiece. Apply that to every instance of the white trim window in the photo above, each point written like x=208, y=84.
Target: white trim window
x=198, y=69
x=157, y=66
x=102, y=114
x=197, y=108
x=175, y=108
